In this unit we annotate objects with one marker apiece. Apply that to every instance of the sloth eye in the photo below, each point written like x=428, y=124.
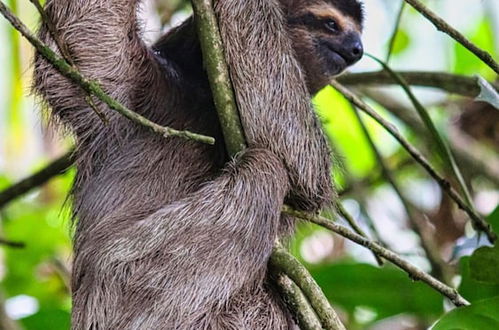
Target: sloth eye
x=332, y=26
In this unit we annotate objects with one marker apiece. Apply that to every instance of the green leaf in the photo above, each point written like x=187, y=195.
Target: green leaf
x=387, y=291
x=487, y=93
x=402, y=42
x=493, y=219
x=341, y=126
x=484, y=265
x=466, y=62
x=53, y=319
x=472, y=289
x=483, y=314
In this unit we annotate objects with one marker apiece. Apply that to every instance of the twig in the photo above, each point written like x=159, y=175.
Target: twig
x=37, y=179
x=63, y=272
x=53, y=32
x=63, y=50
x=216, y=66
x=442, y=182
x=443, y=26
x=393, y=37
x=414, y=272
x=93, y=87
x=283, y=261
x=452, y=83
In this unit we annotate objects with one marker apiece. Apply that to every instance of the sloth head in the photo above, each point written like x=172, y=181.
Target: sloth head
x=326, y=36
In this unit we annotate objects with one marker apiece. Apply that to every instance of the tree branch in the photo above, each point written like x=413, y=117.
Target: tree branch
x=295, y=300
x=396, y=27
x=37, y=179
x=281, y=260
x=218, y=75
x=443, y=26
x=93, y=87
x=452, y=83
x=12, y=244
x=474, y=161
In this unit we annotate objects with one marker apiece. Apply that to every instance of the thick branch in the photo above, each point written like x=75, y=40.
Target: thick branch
x=93, y=87
x=452, y=83
x=283, y=261
x=414, y=272
x=443, y=26
x=297, y=303
x=218, y=75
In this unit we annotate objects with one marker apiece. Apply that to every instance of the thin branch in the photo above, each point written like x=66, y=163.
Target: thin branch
x=444, y=151
x=428, y=245
x=93, y=87
x=442, y=182
x=63, y=272
x=414, y=272
x=451, y=83
x=443, y=26
x=474, y=161
x=53, y=32
x=63, y=50
x=37, y=179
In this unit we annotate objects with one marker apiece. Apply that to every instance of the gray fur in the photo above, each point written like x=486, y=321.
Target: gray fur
x=168, y=237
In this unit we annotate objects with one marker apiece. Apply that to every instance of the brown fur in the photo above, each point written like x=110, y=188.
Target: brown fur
x=171, y=234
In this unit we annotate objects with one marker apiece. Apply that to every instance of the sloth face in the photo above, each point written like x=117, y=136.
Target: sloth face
x=326, y=37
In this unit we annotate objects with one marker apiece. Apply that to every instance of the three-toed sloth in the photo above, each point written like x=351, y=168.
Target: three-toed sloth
x=171, y=233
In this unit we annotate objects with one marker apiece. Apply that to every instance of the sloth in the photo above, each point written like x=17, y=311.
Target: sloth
x=172, y=233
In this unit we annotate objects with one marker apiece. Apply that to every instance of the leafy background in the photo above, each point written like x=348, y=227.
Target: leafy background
x=34, y=279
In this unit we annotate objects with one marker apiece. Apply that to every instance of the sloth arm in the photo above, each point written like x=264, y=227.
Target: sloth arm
x=103, y=41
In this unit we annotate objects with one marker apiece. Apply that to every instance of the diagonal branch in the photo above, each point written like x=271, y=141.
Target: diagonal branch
x=93, y=87
x=443, y=26
x=37, y=179
x=414, y=272
x=477, y=220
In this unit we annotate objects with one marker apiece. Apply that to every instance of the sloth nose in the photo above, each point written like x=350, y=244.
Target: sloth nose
x=352, y=49
x=355, y=52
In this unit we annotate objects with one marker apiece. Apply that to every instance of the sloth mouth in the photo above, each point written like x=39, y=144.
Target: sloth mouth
x=336, y=60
